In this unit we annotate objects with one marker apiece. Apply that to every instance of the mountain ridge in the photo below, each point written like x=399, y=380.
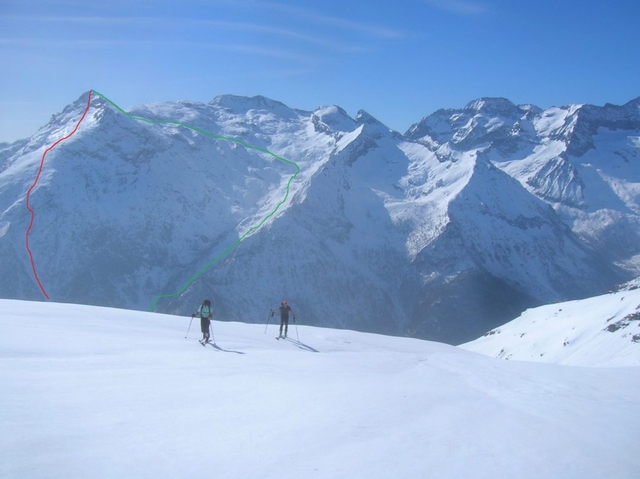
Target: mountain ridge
x=384, y=229
x=595, y=331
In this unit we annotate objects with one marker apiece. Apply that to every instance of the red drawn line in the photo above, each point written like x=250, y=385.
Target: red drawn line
x=33, y=215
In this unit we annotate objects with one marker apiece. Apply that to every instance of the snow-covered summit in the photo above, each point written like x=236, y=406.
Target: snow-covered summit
x=492, y=106
x=335, y=118
x=477, y=124
x=238, y=103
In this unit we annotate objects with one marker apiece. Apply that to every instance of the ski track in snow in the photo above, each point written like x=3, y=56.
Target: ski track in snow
x=102, y=393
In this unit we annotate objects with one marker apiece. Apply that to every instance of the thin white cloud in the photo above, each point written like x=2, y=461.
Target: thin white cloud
x=316, y=17
x=188, y=23
x=247, y=49
x=464, y=7
x=275, y=31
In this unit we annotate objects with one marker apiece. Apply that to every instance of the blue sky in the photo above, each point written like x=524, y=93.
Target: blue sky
x=399, y=61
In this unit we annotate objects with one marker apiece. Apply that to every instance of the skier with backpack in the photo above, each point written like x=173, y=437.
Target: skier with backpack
x=284, y=309
x=206, y=313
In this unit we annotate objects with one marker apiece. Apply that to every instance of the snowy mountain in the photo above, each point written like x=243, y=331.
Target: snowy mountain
x=444, y=232
x=103, y=393
x=582, y=160
x=598, y=331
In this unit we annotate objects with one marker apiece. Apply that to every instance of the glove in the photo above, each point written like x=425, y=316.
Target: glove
x=272, y=314
x=193, y=315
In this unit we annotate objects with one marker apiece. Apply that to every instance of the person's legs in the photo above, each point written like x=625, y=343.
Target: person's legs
x=204, y=327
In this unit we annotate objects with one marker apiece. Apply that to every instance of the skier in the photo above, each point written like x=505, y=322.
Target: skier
x=285, y=309
x=205, y=313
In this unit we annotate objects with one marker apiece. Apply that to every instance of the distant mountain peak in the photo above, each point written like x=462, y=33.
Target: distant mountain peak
x=334, y=117
x=80, y=104
x=364, y=117
x=257, y=102
x=456, y=125
x=490, y=105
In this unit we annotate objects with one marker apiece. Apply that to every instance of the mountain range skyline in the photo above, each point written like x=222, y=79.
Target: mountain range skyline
x=368, y=227
x=398, y=61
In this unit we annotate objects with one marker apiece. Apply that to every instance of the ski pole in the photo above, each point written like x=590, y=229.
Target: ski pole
x=185, y=337
x=296, y=325
x=211, y=332
x=269, y=316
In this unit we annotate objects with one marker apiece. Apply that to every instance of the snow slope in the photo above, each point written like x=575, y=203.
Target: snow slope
x=103, y=393
x=599, y=331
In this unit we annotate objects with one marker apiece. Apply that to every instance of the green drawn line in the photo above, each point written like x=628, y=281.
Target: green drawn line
x=217, y=137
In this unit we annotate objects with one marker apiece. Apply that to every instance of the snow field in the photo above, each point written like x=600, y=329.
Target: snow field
x=574, y=333
x=102, y=393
